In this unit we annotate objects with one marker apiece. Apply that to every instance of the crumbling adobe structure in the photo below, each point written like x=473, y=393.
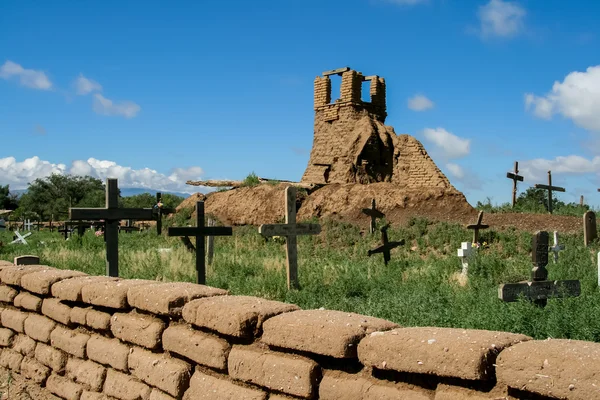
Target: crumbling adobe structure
x=353, y=145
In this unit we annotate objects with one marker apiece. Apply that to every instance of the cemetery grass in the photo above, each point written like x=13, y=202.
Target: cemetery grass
x=419, y=287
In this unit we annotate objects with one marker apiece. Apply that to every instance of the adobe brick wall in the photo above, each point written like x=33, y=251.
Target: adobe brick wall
x=83, y=338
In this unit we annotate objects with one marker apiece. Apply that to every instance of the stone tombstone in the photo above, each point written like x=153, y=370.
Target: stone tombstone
x=590, y=232
x=27, y=260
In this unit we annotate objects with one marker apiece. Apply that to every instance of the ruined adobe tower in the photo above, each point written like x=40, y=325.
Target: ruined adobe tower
x=352, y=145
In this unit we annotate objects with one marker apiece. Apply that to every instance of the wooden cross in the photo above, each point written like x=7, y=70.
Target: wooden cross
x=112, y=214
x=290, y=230
x=129, y=227
x=20, y=239
x=386, y=246
x=64, y=230
x=27, y=225
x=557, y=247
x=515, y=177
x=160, y=212
x=464, y=253
x=549, y=188
x=476, y=227
x=374, y=213
x=200, y=232
x=539, y=289
x=80, y=225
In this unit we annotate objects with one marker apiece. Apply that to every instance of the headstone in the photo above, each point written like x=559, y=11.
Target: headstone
x=477, y=226
x=515, y=177
x=374, y=213
x=549, y=188
x=20, y=239
x=590, y=232
x=27, y=260
x=210, y=244
x=466, y=253
x=386, y=245
x=539, y=289
x=290, y=230
x=557, y=247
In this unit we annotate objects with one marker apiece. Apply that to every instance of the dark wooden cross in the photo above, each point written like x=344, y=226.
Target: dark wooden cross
x=111, y=214
x=515, y=177
x=129, y=227
x=476, y=227
x=80, y=225
x=160, y=212
x=290, y=230
x=549, y=188
x=64, y=230
x=200, y=232
x=386, y=246
x=374, y=213
x=539, y=289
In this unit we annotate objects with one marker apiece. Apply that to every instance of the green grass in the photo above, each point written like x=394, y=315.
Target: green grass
x=417, y=288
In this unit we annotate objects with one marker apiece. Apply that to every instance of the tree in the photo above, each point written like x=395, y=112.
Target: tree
x=8, y=201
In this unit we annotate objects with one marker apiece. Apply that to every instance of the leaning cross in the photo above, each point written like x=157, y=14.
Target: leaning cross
x=515, y=177
x=112, y=214
x=200, y=232
x=557, y=247
x=290, y=230
x=549, y=188
x=374, y=213
x=539, y=290
x=20, y=239
x=160, y=212
x=386, y=246
x=476, y=227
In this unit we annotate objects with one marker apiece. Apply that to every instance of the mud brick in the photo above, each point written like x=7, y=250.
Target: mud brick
x=557, y=368
x=24, y=345
x=8, y=294
x=69, y=341
x=108, y=352
x=240, y=316
x=158, y=395
x=448, y=352
x=95, y=396
x=39, y=327
x=329, y=333
x=28, y=301
x=41, y=282
x=12, y=276
x=63, y=387
x=87, y=373
x=200, y=347
x=11, y=359
x=206, y=387
x=98, y=320
x=14, y=320
x=449, y=392
x=51, y=357
x=6, y=337
x=189, y=311
x=287, y=373
x=168, y=374
x=6, y=264
x=34, y=370
x=168, y=298
x=57, y=310
x=125, y=387
x=79, y=314
x=112, y=294
x=139, y=329
x=70, y=289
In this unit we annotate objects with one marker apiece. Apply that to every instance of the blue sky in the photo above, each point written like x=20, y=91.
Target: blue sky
x=154, y=93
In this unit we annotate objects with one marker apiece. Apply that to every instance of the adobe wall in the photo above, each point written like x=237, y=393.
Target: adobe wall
x=91, y=338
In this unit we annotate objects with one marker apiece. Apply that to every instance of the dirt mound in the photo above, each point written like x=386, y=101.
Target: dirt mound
x=190, y=202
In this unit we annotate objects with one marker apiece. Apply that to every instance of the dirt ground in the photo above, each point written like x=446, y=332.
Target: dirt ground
x=15, y=387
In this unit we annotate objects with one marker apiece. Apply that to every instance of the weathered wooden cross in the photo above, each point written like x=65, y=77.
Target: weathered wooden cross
x=539, y=290
x=111, y=214
x=20, y=239
x=27, y=225
x=515, y=177
x=476, y=227
x=160, y=210
x=374, y=213
x=200, y=232
x=557, y=247
x=290, y=230
x=80, y=225
x=590, y=230
x=549, y=188
x=386, y=246
x=64, y=230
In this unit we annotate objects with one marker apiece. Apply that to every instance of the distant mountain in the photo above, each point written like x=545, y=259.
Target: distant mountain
x=125, y=192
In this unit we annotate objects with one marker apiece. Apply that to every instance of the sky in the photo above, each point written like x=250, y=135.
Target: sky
x=155, y=93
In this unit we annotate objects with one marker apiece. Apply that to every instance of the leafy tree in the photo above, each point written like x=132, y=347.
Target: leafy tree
x=146, y=200
x=8, y=201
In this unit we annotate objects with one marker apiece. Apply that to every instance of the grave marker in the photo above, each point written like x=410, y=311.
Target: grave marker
x=2, y=225
x=27, y=225
x=465, y=253
x=65, y=230
x=476, y=227
x=290, y=230
x=20, y=239
x=549, y=188
x=200, y=232
x=210, y=244
x=160, y=210
x=386, y=246
x=590, y=231
x=374, y=213
x=27, y=260
x=557, y=247
x=539, y=290
x=111, y=214
x=515, y=177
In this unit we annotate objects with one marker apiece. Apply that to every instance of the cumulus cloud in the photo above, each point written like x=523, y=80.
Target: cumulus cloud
x=501, y=18
x=104, y=106
x=452, y=145
x=537, y=169
x=419, y=103
x=18, y=174
x=577, y=97
x=27, y=77
x=456, y=170
x=85, y=86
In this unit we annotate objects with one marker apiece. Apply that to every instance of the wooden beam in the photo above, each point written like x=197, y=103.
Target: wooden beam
x=336, y=71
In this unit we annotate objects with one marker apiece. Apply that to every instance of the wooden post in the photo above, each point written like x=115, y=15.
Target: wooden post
x=160, y=212
x=590, y=231
x=581, y=200
x=374, y=213
x=476, y=227
x=290, y=230
x=549, y=188
x=386, y=246
x=515, y=177
x=210, y=244
x=557, y=247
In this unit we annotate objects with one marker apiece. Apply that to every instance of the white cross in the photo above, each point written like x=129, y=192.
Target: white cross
x=465, y=252
x=20, y=238
x=556, y=248
x=27, y=225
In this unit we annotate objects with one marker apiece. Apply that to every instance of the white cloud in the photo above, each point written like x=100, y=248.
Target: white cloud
x=456, y=170
x=452, y=145
x=18, y=174
x=536, y=170
x=85, y=86
x=419, y=103
x=27, y=77
x=577, y=97
x=406, y=2
x=104, y=106
x=501, y=18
